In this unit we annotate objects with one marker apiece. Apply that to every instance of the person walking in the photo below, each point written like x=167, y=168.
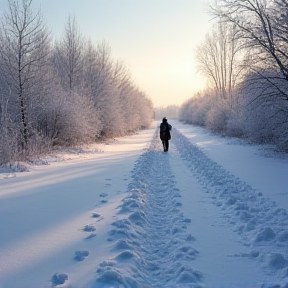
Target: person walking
x=165, y=134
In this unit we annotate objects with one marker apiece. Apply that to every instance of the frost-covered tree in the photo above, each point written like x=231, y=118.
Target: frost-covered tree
x=68, y=56
x=195, y=110
x=63, y=95
x=24, y=51
x=259, y=106
x=171, y=112
x=263, y=28
x=264, y=112
x=220, y=59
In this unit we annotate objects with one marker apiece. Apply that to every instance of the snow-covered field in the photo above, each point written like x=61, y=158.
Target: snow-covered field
x=212, y=212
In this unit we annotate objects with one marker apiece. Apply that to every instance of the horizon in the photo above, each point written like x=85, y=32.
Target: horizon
x=155, y=39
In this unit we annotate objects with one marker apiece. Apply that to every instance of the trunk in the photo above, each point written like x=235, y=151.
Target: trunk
x=24, y=140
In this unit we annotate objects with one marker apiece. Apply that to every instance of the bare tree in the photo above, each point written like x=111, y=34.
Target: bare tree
x=23, y=49
x=263, y=26
x=220, y=59
x=68, y=56
x=105, y=94
x=69, y=94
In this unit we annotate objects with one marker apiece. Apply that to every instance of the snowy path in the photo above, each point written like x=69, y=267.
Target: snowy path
x=178, y=220
x=156, y=245
x=151, y=244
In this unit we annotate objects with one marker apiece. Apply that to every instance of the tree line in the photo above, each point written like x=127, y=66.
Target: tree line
x=60, y=93
x=245, y=60
x=171, y=112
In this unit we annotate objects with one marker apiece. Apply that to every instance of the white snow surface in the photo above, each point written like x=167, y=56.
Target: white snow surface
x=212, y=212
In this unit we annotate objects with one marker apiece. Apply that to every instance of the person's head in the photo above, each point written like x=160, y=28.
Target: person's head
x=164, y=119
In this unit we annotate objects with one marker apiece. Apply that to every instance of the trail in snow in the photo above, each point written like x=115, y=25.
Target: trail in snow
x=44, y=215
x=159, y=233
x=150, y=243
x=261, y=224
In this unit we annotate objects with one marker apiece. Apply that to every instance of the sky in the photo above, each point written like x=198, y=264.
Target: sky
x=156, y=39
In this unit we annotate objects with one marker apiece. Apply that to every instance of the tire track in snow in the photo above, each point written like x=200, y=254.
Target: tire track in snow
x=261, y=224
x=150, y=242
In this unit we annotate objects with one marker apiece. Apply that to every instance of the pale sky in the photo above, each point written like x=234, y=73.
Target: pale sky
x=156, y=39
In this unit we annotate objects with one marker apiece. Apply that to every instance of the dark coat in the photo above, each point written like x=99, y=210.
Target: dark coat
x=165, y=131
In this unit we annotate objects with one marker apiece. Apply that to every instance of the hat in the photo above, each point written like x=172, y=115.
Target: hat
x=164, y=119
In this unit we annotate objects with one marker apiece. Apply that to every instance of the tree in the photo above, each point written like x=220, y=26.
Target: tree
x=220, y=60
x=69, y=94
x=106, y=95
x=263, y=26
x=68, y=56
x=24, y=51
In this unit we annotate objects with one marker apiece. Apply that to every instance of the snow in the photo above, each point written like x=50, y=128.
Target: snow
x=212, y=212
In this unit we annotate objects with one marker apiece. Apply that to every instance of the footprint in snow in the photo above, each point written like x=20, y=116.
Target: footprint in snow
x=103, y=201
x=190, y=238
x=59, y=279
x=81, y=255
x=187, y=220
x=103, y=195
x=108, y=179
x=92, y=235
x=89, y=228
x=97, y=216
